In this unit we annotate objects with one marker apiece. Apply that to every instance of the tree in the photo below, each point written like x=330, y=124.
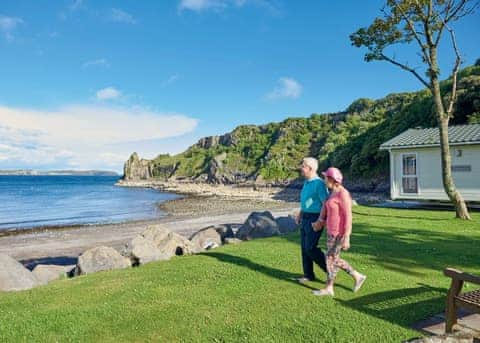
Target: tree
x=422, y=22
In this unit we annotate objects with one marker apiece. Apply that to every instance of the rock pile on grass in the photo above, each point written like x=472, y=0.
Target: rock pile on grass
x=156, y=243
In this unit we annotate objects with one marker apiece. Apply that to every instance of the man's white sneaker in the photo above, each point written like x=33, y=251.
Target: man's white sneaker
x=302, y=279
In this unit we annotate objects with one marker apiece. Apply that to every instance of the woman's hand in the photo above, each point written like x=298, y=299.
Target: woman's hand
x=317, y=226
x=346, y=243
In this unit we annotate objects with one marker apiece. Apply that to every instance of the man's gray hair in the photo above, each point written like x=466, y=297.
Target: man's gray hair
x=311, y=162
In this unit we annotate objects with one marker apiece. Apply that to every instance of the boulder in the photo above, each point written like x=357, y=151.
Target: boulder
x=169, y=243
x=286, y=224
x=175, y=244
x=225, y=231
x=14, y=276
x=141, y=250
x=157, y=243
x=48, y=272
x=258, y=225
x=101, y=258
x=156, y=233
x=205, y=239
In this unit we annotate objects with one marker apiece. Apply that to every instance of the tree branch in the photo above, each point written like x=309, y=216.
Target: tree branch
x=411, y=25
x=407, y=68
x=426, y=25
x=456, y=67
x=456, y=11
x=444, y=20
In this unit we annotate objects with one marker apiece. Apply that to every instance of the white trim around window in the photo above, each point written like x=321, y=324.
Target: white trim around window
x=409, y=174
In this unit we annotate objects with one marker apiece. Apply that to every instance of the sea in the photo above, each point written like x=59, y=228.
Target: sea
x=31, y=201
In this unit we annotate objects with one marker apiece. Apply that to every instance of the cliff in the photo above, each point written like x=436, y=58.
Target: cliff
x=348, y=139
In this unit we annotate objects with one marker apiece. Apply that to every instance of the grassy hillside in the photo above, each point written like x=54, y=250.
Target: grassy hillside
x=242, y=293
x=348, y=139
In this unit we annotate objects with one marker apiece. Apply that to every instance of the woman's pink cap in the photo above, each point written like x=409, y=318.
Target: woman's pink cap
x=334, y=173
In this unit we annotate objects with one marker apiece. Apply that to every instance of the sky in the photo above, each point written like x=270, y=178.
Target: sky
x=85, y=83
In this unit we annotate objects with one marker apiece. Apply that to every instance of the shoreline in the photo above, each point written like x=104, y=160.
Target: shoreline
x=185, y=215
x=237, y=191
x=195, y=200
x=186, y=206
x=201, y=206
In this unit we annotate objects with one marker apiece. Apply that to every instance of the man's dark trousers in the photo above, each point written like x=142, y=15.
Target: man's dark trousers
x=309, y=241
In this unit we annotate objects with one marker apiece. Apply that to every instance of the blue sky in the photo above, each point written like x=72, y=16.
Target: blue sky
x=85, y=83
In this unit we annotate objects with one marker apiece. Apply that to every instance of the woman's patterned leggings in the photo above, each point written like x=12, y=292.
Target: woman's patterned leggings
x=334, y=262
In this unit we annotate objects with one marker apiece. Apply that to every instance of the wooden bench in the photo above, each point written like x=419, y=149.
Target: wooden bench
x=456, y=299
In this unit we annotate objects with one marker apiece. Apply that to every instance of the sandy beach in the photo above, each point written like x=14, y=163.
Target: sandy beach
x=185, y=216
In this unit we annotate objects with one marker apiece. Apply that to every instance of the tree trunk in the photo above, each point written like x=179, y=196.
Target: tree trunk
x=448, y=184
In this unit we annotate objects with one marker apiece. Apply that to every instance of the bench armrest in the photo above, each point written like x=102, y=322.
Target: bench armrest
x=459, y=275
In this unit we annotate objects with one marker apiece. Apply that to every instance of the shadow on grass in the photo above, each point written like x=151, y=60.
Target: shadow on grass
x=268, y=271
x=245, y=262
x=401, y=217
x=406, y=249
x=410, y=251
x=400, y=306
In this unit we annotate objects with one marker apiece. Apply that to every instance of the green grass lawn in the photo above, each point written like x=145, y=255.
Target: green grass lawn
x=242, y=292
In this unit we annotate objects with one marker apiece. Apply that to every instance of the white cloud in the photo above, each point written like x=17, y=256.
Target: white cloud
x=286, y=88
x=271, y=6
x=120, y=16
x=200, y=5
x=108, y=93
x=101, y=62
x=83, y=137
x=170, y=80
x=8, y=25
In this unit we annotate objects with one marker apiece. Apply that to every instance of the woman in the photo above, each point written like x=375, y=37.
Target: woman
x=337, y=215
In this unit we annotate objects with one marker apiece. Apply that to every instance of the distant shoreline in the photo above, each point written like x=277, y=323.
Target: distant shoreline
x=29, y=172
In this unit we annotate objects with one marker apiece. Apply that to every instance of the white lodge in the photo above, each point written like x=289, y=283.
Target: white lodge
x=415, y=163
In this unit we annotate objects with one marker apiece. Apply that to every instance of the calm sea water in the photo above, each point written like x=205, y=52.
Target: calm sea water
x=33, y=201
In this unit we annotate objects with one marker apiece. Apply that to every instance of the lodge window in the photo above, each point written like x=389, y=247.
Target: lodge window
x=409, y=174
x=462, y=168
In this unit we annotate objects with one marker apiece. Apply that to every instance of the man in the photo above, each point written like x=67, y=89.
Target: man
x=313, y=195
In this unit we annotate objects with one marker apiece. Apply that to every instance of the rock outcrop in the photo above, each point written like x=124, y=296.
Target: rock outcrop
x=217, y=172
x=137, y=169
x=14, y=276
x=213, y=141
